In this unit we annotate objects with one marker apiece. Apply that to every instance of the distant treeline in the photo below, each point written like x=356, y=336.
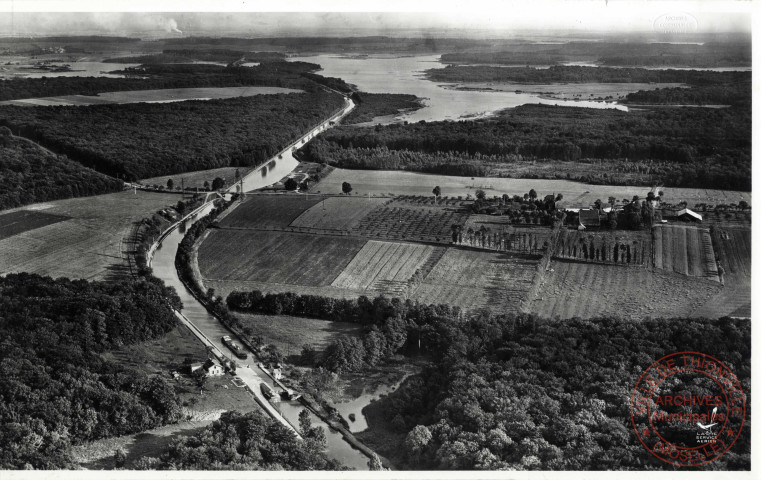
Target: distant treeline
x=71, y=39
x=680, y=147
x=709, y=54
x=56, y=388
x=143, y=140
x=576, y=74
x=30, y=175
x=160, y=76
x=730, y=94
x=371, y=105
x=204, y=55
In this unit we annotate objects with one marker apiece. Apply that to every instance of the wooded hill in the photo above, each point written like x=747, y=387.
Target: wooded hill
x=679, y=147
x=143, y=140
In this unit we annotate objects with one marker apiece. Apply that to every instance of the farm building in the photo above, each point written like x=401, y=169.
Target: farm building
x=589, y=218
x=213, y=368
x=688, y=215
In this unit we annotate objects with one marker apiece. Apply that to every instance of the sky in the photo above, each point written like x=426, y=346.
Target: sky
x=249, y=18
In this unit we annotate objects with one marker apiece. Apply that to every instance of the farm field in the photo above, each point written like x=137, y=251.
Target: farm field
x=404, y=222
x=587, y=290
x=733, y=252
x=89, y=244
x=196, y=179
x=290, y=334
x=268, y=211
x=477, y=279
x=575, y=194
x=384, y=267
x=684, y=249
x=338, y=213
x=635, y=247
x=151, y=96
x=25, y=220
x=275, y=257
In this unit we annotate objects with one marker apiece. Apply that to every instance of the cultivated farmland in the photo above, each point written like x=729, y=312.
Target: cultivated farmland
x=587, y=290
x=403, y=222
x=338, y=213
x=275, y=257
x=477, y=279
x=91, y=244
x=269, y=211
x=683, y=249
x=384, y=267
x=25, y=220
x=622, y=246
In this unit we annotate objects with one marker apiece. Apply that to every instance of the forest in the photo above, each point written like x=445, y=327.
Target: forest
x=697, y=55
x=577, y=74
x=56, y=390
x=250, y=441
x=522, y=393
x=143, y=140
x=679, y=147
x=188, y=55
x=31, y=175
x=371, y=105
x=739, y=94
x=161, y=76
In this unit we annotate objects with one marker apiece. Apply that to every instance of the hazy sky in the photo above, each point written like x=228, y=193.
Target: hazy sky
x=494, y=18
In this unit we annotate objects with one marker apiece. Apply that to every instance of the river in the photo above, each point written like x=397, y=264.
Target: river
x=382, y=74
x=164, y=268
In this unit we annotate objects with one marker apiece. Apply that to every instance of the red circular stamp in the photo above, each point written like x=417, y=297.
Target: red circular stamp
x=688, y=409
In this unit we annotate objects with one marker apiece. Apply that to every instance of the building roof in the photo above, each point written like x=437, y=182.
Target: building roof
x=687, y=211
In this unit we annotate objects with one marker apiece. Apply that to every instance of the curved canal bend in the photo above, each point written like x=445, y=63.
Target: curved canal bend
x=163, y=266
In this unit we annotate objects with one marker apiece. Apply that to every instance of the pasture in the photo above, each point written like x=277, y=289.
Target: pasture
x=89, y=244
x=25, y=220
x=269, y=211
x=576, y=194
x=384, y=267
x=684, y=249
x=338, y=213
x=275, y=257
x=478, y=279
x=588, y=290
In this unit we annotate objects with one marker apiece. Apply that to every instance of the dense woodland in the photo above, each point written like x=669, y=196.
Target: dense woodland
x=161, y=76
x=56, y=390
x=679, y=147
x=739, y=94
x=142, y=140
x=250, y=441
x=30, y=175
x=698, y=55
x=371, y=105
x=528, y=394
x=576, y=74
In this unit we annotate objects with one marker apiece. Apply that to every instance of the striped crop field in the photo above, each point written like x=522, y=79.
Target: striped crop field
x=684, y=249
x=384, y=267
x=338, y=213
x=275, y=257
x=267, y=211
x=478, y=279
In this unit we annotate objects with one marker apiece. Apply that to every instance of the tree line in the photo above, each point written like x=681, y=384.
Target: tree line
x=188, y=55
x=685, y=147
x=57, y=389
x=143, y=140
x=30, y=175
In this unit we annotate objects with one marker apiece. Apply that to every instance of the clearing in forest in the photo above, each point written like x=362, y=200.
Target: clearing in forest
x=478, y=279
x=684, y=249
x=338, y=213
x=384, y=267
x=587, y=290
x=275, y=257
x=268, y=211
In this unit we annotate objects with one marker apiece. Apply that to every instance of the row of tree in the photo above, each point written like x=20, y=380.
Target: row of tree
x=56, y=390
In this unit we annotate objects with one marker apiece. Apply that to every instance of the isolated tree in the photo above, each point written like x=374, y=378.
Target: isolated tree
x=170, y=184
x=291, y=184
x=743, y=205
x=217, y=183
x=559, y=197
x=437, y=192
x=480, y=194
x=598, y=204
x=346, y=187
x=650, y=196
x=206, y=185
x=532, y=194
